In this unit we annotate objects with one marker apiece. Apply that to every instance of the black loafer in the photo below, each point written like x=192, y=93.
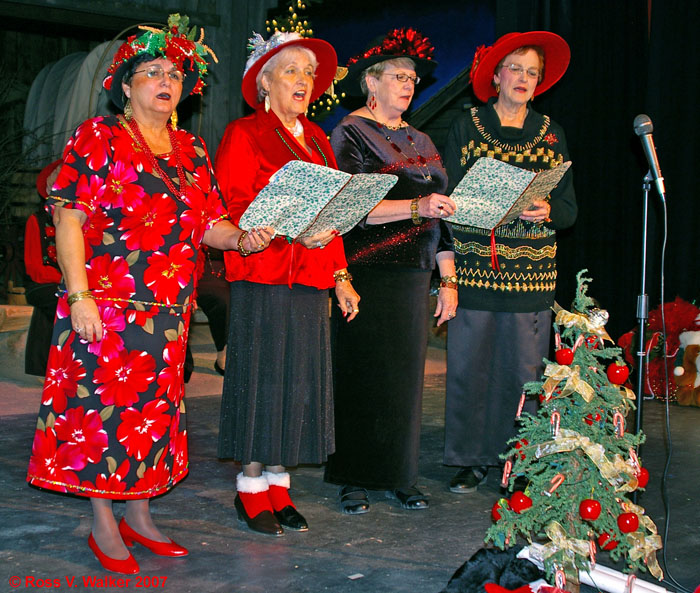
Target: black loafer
x=264, y=522
x=468, y=478
x=290, y=518
x=410, y=499
x=353, y=500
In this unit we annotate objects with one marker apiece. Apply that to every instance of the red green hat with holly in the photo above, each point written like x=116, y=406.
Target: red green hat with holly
x=176, y=43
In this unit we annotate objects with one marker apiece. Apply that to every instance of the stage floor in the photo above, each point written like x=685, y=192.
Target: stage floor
x=391, y=550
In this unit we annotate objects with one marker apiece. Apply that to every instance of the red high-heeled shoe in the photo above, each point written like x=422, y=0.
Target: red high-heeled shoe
x=126, y=566
x=161, y=548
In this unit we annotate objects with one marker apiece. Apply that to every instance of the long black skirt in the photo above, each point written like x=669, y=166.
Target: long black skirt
x=277, y=403
x=490, y=356
x=379, y=362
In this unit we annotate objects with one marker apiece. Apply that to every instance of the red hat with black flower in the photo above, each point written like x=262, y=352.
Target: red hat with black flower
x=176, y=42
x=556, y=60
x=398, y=43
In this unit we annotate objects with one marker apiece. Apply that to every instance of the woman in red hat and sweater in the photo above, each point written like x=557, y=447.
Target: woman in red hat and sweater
x=501, y=332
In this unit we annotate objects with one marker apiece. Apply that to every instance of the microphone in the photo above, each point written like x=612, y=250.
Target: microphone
x=644, y=128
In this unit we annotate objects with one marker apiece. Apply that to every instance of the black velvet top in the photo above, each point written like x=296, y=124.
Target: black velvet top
x=364, y=146
x=526, y=278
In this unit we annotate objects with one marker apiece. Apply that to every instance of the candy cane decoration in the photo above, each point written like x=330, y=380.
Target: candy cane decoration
x=520, y=405
x=554, y=421
x=507, y=467
x=555, y=482
x=557, y=341
x=578, y=341
x=630, y=583
x=560, y=579
x=591, y=552
x=619, y=423
x=634, y=460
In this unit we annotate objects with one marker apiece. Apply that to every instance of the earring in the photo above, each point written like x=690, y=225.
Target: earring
x=498, y=88
x=267, y=103
x=128, y=111
x=173, y=119
x=372, y=102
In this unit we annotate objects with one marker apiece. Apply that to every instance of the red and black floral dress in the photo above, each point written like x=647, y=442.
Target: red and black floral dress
x=112, y=417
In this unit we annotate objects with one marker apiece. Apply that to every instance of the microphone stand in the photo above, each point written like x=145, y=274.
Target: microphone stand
x=642, y=312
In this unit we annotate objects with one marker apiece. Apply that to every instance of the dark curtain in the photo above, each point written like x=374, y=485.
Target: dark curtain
x=618, y=71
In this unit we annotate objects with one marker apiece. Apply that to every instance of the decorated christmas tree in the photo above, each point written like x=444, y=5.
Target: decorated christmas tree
x=578, y=456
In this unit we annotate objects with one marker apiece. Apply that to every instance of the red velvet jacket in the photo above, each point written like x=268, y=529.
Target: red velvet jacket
x=250, y=152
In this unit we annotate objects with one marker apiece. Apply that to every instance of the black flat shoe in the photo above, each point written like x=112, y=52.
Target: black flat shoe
x=410, y=499
x=218, y=368
x=264, y=522
x=353, y=500
x=290, y=518
x=468, y=478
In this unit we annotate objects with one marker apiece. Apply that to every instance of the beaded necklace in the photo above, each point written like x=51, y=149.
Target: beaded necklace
x=143, y=145
x=422, y=162
x=325, y=160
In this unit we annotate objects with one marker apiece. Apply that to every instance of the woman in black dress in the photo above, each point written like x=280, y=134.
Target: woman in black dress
x=379, y=359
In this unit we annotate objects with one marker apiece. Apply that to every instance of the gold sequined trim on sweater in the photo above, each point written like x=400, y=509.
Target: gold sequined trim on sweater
x=507, y=281
x=532, y=253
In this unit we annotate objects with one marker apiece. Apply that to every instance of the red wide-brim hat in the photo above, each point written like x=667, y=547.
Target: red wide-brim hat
x=325, y=71
x=556, y=60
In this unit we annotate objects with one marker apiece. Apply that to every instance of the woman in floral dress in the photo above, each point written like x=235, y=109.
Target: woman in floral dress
x=134, y=200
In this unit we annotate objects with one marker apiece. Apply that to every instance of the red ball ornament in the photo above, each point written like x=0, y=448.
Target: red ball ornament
x=589, y=509
x=627, y=522
x=519, y=445
x=618, y=373
x=520, y=501
x=590, y=419
x=642, y=477
x=496, y=508
x=592, y=342
x=607, y=541
x=564, y=356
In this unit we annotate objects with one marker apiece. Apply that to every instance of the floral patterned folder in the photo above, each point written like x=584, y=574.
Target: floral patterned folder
x=493, y=192
x=303, y=199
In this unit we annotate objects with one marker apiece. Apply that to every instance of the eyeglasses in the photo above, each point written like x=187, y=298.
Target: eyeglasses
x=517, y=69
x=401, y=77
x=157, y=73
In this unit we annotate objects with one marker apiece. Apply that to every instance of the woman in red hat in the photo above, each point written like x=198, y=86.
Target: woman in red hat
x=379, y=360
x=133, y=201
x=501, y=332
x=277, y=408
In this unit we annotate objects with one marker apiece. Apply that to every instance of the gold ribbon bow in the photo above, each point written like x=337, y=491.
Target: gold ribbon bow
x=569, y=319
x=620, y=473
x=570, y=546
x=556, y=373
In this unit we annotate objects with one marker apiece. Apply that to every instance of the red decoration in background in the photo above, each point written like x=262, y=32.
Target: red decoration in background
x=519, y=445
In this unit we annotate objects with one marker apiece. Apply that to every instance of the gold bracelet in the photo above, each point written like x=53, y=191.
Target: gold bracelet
x=452, y=285
x=414, y=212
x=242, y=250
x=79, y=296
x=342, y=276
x=452, y=279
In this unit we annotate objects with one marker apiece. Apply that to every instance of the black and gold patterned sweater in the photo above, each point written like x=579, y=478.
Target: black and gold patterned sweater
x=526, y=252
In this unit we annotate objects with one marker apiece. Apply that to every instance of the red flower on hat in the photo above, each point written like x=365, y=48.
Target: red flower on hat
x=400, y=42
x=480, y=52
